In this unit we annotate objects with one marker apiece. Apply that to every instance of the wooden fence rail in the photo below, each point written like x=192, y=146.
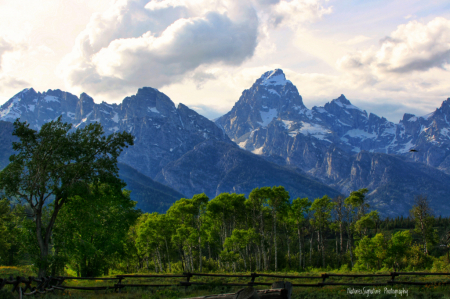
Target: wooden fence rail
x=49, y=284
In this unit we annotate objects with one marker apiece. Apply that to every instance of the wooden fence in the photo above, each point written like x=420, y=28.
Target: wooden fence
x=49, y=284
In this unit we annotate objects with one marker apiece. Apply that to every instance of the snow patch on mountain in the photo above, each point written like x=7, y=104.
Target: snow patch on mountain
x=389, y=131
x=315, y=130
x=243, y=144
x=48, y=99
x=357, y=133
x=267, y=116
x=321, y=110
x=11, y=112
x=153, y=109
x=274, y=92
x=115, y=117
x=258, y=151
x=287, y=123
x=445, y=131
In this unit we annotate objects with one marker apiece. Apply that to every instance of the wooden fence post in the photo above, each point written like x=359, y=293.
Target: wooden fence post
x=2, y=283
x=16, y=284
x=117, y=286
x=393, y=274
x=188, y=277
x=254, y=275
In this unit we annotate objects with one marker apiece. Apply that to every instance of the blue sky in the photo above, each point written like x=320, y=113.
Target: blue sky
x=387, y=57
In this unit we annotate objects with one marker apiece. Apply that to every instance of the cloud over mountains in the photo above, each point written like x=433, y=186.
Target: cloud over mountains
x=157, y=43
x=412, y=47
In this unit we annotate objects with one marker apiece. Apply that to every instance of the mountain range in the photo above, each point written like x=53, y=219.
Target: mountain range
x=268, y=138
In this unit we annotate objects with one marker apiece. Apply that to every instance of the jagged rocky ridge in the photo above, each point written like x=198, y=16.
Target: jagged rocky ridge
x=169, y=146
x=330, y=143
x=163, y=132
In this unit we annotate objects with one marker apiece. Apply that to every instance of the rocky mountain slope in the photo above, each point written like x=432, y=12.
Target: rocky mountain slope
x=334, y=142
x=150, y=195
x=227, y=168
x=163, y=132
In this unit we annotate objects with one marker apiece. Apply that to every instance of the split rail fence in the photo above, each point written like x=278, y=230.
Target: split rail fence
x=50, y=284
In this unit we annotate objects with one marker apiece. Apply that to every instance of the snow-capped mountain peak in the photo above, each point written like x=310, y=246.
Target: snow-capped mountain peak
x=344, y=103
x=274, y=77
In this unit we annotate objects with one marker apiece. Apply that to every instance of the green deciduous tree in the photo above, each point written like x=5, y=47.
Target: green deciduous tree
x=367, y=221
x=398, y=248
x=339, y=215
x=299, y=210
x=5, y=240
x=322, y=218
x=256, y=203
x=57, y=164
x=92, y=229
x=424, y=220
x=356, y=208
x=365, y=252
x=12, y=247
x=278, y=202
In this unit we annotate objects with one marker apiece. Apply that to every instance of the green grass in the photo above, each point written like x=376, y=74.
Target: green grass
x=430, y=291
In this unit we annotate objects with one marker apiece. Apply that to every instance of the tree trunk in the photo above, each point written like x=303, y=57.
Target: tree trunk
x=154, y=262
x=44, y=241
x=243, y=258
x=350, y=237
x=275, y=240
x=209, y=250
x=191, y=257
x=310, y=249
x=200, y=253
x=337, y=248
x=182, y=259
x=43, y=246
x=249, y=259
x=159, y=260
x=168, y=256
x=299, y=247
x=289, y=252
x=323, y=248
x=262, y=242
x=258, y=258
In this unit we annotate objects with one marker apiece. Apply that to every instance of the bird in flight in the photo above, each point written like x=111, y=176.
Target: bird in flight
x=413, y=150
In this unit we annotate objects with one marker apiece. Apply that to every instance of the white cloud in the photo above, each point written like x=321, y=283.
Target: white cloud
x=292, y=13
x=410, y=66
x=5, y=46
x=296, y=12
x=412, y=47
x=136, y=43
x=10, y=53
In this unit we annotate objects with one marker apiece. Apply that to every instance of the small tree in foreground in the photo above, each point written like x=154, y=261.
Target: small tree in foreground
x=55, y=165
